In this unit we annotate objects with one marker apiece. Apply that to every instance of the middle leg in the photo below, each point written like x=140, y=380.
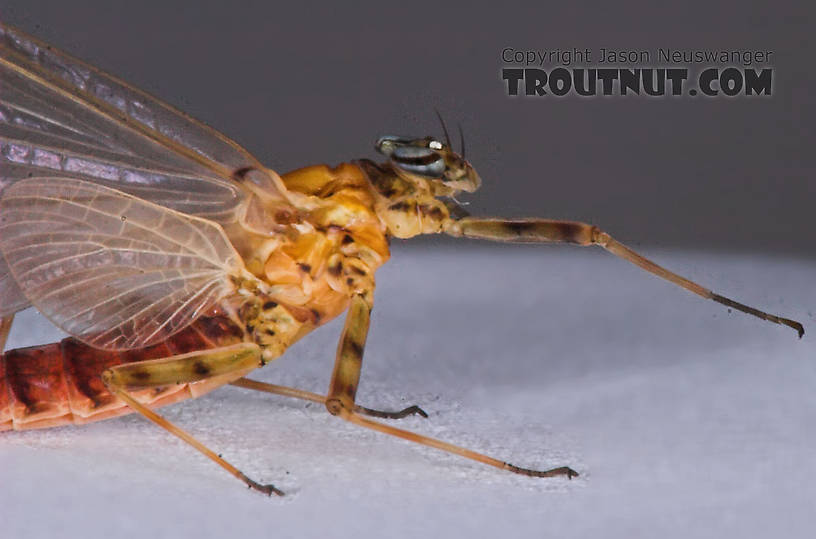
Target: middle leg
x=295, y=393
x=343, y=390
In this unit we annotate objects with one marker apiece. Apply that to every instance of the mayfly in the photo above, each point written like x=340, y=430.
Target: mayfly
x=178, y=263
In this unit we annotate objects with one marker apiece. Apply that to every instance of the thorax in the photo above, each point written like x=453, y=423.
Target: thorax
x=313, y=252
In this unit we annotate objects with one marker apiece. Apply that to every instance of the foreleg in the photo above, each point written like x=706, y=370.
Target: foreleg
x=550, y=231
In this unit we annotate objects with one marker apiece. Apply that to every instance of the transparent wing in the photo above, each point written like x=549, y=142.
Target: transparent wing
x=114, y=270
x=60, y=116
x=12, y=298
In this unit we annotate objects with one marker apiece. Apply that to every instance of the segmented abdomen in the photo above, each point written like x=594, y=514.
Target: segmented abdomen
x=57, y=384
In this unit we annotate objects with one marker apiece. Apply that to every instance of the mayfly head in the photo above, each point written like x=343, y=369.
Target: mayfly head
x=430, y=160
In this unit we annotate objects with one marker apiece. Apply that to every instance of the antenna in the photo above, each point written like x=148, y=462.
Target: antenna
x=444, y=129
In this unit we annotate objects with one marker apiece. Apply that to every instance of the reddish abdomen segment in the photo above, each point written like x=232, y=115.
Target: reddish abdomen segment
x=58, y=384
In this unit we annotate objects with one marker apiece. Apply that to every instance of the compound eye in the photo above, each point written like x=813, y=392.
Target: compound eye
x=417, y=160
x=385, y=145
x=416, y=156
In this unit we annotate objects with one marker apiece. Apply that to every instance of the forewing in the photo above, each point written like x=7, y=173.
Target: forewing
x=60, y=115
x=12, y=298
x=114, y=270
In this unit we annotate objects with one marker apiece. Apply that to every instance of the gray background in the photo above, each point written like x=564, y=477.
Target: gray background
x=298, y=84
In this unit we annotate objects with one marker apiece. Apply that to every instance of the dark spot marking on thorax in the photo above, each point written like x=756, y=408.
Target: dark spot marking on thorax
x=285, y=217
x=402, y=206
x=436, y=213
x=270, y=305
x=347, y=239
x=306, y=268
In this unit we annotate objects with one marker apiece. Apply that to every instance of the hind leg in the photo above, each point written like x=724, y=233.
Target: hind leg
x=225, y=363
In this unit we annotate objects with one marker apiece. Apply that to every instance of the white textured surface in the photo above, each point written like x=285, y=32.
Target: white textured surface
x=684, y=420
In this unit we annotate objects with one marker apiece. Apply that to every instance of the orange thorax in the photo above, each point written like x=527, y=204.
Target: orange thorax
x=329, y=248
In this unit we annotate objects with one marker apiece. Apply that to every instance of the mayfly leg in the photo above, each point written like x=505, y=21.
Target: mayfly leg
x=385, y=414
x=343, y=390
x=5, y=328
x=550, y=231
x=295, y=393
x=226, y=363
